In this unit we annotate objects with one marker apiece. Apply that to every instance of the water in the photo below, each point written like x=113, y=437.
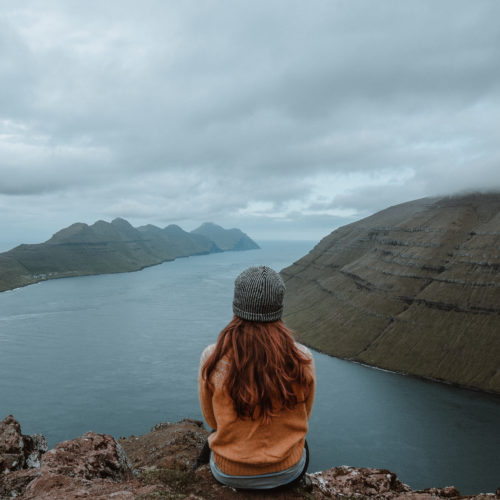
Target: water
x=119, y=353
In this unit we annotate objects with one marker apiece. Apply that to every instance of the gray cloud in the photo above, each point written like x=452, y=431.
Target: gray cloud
x=266, y=115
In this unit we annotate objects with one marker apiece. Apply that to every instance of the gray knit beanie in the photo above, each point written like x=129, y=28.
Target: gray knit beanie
x=258, y=294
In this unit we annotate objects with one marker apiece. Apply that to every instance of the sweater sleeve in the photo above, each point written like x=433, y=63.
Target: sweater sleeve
x=312, y=369
x=310, y=397
x=204, y=392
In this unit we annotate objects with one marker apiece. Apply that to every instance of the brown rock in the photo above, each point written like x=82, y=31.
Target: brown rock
x=353, y=482
x=13, y=484
x=59, y=487
x=91, y=466
x=95, y=466
x=91, y=456
x=448, y=492
x=19, y=451
x=174, y=446
x=164, y=458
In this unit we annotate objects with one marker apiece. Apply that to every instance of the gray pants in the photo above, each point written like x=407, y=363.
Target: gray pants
x=263, y=481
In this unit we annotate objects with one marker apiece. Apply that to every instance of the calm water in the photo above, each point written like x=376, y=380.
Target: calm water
x=119, y=353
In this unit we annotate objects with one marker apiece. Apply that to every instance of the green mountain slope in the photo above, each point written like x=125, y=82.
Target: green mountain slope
x=226, y=239
x=101, y=248
x=414, y=288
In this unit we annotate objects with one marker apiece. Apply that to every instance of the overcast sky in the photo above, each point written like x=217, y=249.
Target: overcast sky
x=283, y=118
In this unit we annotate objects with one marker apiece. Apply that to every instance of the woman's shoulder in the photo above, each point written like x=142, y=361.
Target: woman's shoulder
x=305, y=350
x=207, y=352
x=308, y=354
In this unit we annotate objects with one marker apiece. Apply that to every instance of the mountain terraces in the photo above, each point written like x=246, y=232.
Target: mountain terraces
x=414, y=288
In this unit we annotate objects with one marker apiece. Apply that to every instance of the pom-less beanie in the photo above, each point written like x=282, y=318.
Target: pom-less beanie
x=258, y=294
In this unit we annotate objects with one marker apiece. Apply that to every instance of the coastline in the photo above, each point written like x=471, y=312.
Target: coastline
x=406, y=374
x=76, y=274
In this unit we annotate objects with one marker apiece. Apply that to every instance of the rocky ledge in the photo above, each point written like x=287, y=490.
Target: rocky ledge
x=159, y=465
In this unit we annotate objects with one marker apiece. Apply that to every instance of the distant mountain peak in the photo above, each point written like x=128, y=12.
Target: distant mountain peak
x=174, y=227
x=226, y=239
x=69, y=232
x=118, y=221
x=210, y=225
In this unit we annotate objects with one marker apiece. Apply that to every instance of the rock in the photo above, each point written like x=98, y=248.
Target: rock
x=19, y=451
x=91, y=466
x=448, y=492
x=91, y=456
x=19, y=458
x=175, y=446
x=95, y=466
x=164, y=456
x=14, y=484
x=353, y=482
x=35, y=446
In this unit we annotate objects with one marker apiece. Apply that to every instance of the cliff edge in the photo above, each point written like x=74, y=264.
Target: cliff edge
x=159, y=465
x=414, y=289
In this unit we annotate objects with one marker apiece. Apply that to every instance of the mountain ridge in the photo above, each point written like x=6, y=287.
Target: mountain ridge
x=225, y=238
x=414, y=288
x=109, y=247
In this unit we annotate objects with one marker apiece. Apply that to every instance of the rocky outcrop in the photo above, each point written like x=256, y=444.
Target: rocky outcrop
x=91, y=466
x=19, y=457
x=19, y=451
x=113, y=247
x=174, y=446
x=367, y=482
x=414, y=288
x=159, y=465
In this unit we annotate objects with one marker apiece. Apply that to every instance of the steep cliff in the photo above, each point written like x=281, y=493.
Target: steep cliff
x=414, y=288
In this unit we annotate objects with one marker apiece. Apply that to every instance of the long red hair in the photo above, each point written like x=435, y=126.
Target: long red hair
x=264, y=366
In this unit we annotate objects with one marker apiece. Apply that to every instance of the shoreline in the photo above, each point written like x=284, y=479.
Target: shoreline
x=79, y=275
x=407, y=374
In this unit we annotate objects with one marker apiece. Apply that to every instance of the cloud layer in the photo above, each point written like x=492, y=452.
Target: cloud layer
x=284, y=118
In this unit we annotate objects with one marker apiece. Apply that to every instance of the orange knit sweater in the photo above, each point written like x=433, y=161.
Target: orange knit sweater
x=245, y=447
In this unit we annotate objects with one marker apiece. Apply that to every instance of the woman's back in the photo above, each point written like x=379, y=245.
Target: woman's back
x=245, y=446
x=256, y=387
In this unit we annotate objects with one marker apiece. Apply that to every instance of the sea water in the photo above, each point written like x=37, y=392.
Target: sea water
x=119, y=353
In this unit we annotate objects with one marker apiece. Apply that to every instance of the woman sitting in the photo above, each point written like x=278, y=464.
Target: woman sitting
x=256, y=388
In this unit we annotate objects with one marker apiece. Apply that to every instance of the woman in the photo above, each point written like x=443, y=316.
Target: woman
x=256, y=388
